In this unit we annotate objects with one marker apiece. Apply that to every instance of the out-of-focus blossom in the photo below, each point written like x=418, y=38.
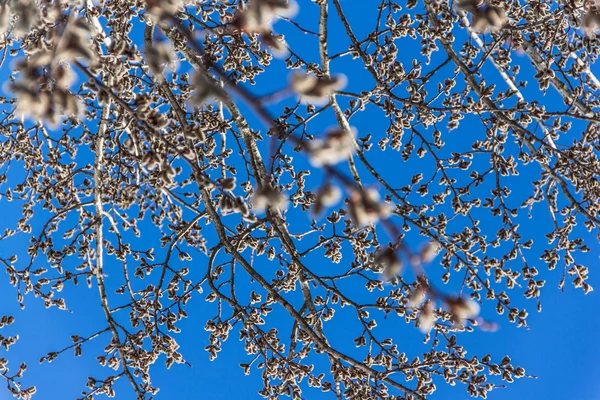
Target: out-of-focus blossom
x=390, y=263
x=63, y=75
x=327, y=196
x=50, y=10
x=469, y=5
x=330, y=195
x=4, y=18
x=365, y=207
x=416, y=297
x=142, y=102
x=29, y=15
x=68, y=103
x=160, y=56
x=427, y=317
x=65, y=42
x=268, y=196
x=167, y=174
x=37, y=105
x=591, y=21
x=258, y=15
x=164, y=8
x=336, y=146
x=205, y=90
x=488, y=18
x=430, y=251
x=463, y=309
x=75, y=41
x=45, y=104
x=275, y=43
x=157, y=119
x=314, y=89
x=42, y=89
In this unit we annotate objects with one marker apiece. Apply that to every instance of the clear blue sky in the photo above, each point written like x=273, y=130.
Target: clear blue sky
x=561, y=346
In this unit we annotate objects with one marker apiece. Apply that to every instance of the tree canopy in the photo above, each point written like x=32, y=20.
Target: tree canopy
x=346, y=193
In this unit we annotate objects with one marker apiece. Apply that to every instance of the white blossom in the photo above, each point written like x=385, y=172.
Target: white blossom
x=315, y=89
x=336, y=146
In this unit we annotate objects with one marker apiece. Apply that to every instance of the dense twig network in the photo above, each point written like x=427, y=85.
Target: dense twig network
x=163, y=142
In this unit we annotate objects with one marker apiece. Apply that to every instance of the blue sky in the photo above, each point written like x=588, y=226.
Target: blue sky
x=560, y=348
